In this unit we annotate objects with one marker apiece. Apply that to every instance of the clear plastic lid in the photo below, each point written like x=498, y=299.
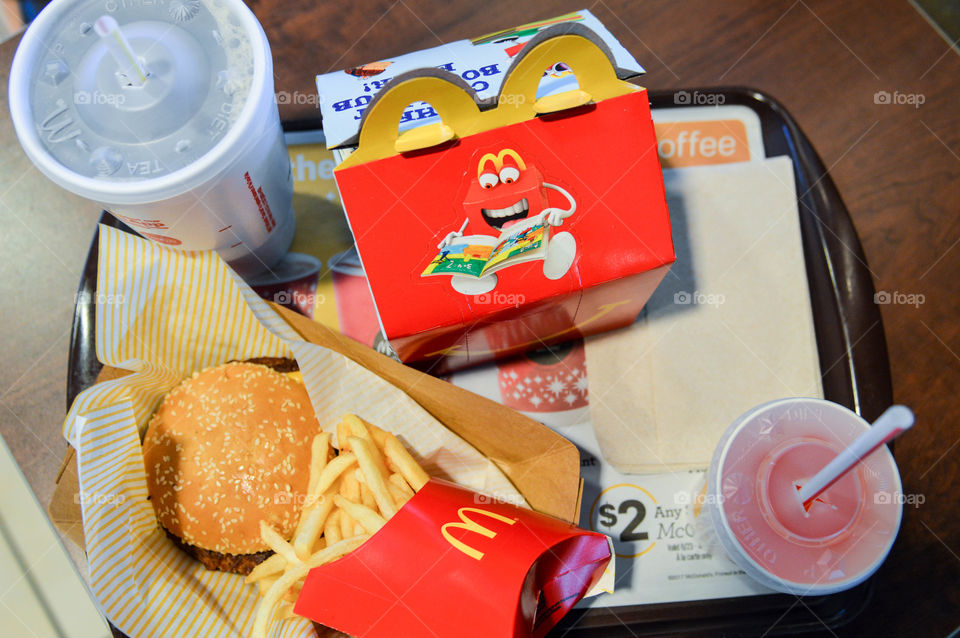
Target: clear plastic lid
x=101, y=118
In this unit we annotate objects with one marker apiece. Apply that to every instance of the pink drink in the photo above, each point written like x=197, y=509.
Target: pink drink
x=752, y=501
x=355, y=307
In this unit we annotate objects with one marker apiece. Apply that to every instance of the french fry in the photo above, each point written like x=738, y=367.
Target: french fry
x=351, y=493
x=276, y=543
x=361, y=429
x=285, y=610
x=349, y=489
x=366, y=496
x=291, y=594
x=294, y=575
x=273, y=565
x=349, y=485
x=399, y=496
x=401, y=483
x=406, y=465
x=266, y=583
x=378, y=435
x=331, y=530
x=313, y=520
x=366, y=517
x=332, y=471
x=319, y=451
x=360, y=477
x=343, y=433
x=333, y=552
x=375, y=479
x=346, y=524
x=319, y=454
x=273, y=596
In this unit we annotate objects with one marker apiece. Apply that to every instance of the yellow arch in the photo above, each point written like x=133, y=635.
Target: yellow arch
x=498, y=160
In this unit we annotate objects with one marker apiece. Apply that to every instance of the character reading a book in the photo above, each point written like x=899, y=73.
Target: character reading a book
x=511, y=197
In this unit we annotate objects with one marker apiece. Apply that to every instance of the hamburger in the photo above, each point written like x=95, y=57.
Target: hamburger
x=227, y=448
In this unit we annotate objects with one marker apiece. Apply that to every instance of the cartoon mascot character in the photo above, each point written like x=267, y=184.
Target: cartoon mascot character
x=505, y=191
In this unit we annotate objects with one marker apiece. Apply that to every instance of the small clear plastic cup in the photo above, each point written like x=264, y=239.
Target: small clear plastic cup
x=293, y=283
x=751, y=508
x=164, y=114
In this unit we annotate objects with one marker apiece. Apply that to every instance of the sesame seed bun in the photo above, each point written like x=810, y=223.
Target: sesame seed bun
x=227, y=448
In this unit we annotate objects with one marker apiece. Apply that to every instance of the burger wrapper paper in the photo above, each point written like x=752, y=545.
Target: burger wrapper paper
x=161, y=316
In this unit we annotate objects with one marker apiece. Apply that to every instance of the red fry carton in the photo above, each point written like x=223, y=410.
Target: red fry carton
x=504, y=229
x=453, y=563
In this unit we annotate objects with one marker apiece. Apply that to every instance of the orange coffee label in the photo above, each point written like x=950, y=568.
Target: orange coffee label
x=704, y=143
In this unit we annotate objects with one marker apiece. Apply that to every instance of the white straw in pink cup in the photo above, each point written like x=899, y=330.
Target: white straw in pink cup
x=798, y=494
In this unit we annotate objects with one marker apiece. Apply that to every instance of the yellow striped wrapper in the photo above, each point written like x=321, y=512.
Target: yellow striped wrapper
x=163, y=315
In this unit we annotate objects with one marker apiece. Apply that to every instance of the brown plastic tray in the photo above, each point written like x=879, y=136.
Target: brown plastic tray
x=852, y=352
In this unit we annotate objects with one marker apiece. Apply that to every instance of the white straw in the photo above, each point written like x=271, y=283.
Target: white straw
x=896, y=420
x=109, y=31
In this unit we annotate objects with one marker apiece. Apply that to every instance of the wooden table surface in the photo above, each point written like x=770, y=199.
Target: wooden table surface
x=897, y=167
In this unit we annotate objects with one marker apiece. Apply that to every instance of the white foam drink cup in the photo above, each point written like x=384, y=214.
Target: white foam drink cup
x=164, y=114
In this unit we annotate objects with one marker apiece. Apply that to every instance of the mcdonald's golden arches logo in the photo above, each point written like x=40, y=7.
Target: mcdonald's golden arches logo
x=497, y=161
x=467, y=523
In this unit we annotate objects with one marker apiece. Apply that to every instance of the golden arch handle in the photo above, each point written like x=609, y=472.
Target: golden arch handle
x=562, y=101
x=424, y=137
x=595, y=75
x=379, y=131
x=457, y=104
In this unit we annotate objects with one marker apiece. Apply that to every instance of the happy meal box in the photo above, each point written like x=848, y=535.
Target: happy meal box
x=512, y=224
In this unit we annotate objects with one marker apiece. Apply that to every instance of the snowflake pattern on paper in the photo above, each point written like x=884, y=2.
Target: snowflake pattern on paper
x=532, y=387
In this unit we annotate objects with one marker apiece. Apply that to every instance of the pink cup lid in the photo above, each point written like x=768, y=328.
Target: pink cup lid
x=842, y=537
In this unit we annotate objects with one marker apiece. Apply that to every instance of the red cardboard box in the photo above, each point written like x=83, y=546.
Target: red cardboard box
x=506, y=229
x=453, y=563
